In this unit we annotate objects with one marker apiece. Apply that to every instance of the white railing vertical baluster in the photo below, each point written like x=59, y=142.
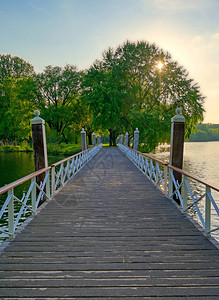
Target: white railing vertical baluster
x=11, y=213
x=62, y=174
x=151, y=167
x=53, y=175
x=157, y=173
x=170, y=184
x=165, y=179
x=185, y=193
x=33, y=196
x=207, y=211
x=48, y=186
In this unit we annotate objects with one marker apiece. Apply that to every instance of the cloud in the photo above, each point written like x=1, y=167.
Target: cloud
x=215, y=36
x=197, y=39
x=178, y=5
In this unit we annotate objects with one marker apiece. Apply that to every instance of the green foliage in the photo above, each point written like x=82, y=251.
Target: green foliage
x=126, y=90
x=58, y=99
x=205, y=133
x=14, y=67
x=16, y=109
x=15, y=148
x=123, y=91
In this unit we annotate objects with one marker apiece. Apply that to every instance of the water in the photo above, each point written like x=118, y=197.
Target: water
x=13, y=166
x=201, y=160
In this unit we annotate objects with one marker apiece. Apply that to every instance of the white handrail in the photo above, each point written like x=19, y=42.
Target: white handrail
x=152, y=168
x=56, y=176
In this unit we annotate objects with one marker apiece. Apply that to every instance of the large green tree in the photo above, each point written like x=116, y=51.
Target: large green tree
x=105, y=92
x=58, y=98
x=139, y=85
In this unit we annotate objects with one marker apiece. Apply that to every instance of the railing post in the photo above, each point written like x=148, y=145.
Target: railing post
x=185, y=193
x=136, y=139
x=94, y=139
x=33, y=196
x=207, y=211
x=83, y=140
x=126, y=139
x=39, y=146
x=98, y=139
x=177, y=145
x=11, y=214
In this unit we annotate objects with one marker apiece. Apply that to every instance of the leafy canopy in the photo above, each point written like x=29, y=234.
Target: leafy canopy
x=139, y=85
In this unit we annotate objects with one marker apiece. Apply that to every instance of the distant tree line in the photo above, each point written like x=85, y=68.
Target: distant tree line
x=205, y=133
x=124, y=90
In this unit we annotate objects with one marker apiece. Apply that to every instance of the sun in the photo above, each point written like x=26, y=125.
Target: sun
x=160, y=65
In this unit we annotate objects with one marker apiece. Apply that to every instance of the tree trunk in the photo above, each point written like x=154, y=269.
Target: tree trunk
x=112, y=137
x=64, y=138
x=111, y=141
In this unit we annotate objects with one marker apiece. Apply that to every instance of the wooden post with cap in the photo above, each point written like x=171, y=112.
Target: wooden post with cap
x=126, y=139
x=83, y=140
x=136, y=139
x=177, y=145
x=94, y=139
x=39, y=146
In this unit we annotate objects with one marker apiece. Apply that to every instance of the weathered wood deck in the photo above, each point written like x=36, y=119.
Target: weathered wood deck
x=110, y=234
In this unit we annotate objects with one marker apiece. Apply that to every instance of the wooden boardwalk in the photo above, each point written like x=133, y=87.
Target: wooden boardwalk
x=110, y=234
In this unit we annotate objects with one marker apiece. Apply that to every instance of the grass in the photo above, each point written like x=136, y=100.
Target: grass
x=64, y=149
x=23, y=147
x=52, y=149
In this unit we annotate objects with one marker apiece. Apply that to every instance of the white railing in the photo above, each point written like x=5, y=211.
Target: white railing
x=55, y=177
x=201, y=200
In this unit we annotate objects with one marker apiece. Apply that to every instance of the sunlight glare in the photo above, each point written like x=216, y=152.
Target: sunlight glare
x=160, y=66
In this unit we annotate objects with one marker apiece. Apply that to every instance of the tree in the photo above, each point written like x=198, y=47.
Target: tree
x=16, y=109
x=104, y=94
x=58, y=98
x=14, y=67
x=138, y=83
x=16, y=97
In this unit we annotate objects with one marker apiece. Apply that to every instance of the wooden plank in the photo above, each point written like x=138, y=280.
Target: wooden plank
x=110, y=234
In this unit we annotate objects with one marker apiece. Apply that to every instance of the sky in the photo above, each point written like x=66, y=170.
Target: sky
x=59, y=32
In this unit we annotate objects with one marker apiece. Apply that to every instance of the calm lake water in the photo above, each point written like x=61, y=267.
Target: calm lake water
x=201, y=159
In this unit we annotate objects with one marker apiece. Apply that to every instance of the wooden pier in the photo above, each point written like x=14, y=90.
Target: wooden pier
x=110, y=234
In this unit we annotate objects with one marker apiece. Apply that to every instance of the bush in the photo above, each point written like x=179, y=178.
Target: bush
x=8, y=148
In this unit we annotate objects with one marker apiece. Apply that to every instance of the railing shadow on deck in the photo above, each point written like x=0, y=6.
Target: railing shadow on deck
x=194, y=201
x=15, y=210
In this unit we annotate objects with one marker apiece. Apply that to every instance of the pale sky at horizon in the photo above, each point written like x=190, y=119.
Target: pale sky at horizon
x=59, y=32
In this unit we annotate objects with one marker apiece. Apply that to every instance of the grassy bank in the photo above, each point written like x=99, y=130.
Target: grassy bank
x=24, y=147
x=52, y=149
x=64, y=149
